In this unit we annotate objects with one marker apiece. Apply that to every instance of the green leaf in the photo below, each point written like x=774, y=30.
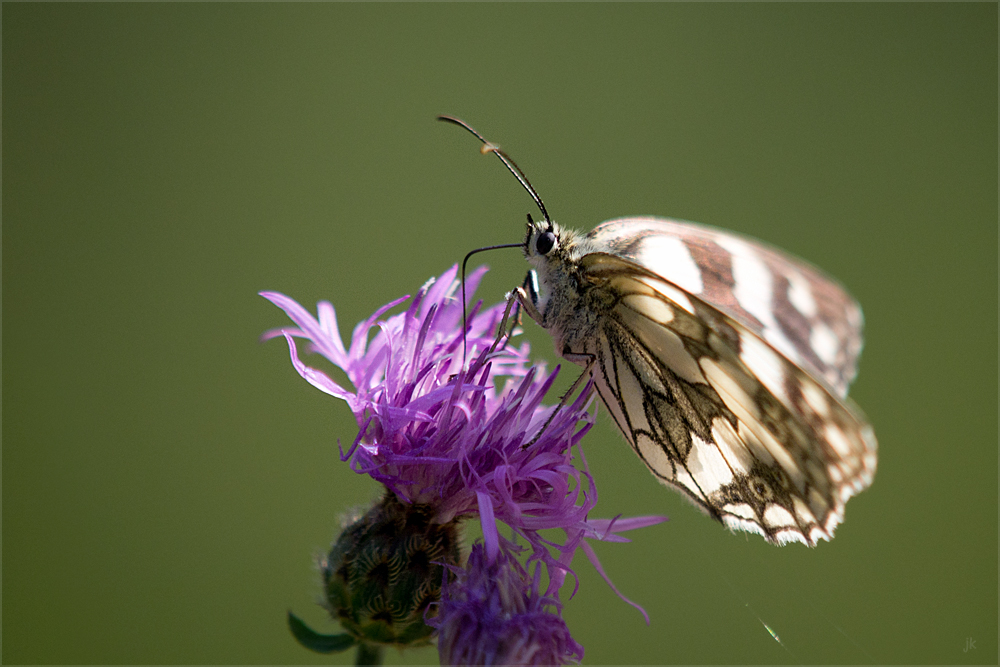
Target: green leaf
x=314, y=641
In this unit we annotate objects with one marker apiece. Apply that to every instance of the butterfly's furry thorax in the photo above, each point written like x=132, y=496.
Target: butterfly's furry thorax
x=571, y=304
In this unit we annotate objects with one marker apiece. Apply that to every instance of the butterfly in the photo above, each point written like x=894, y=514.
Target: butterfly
x=723, y=361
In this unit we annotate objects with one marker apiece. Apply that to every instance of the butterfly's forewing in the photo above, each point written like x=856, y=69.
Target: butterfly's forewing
x=802, y=313
x=713, y=409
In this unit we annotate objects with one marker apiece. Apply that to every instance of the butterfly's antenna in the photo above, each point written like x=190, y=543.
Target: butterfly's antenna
x=489, y=147
x=464, y=262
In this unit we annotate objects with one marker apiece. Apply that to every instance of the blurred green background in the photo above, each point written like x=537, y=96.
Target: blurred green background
x=167, y=480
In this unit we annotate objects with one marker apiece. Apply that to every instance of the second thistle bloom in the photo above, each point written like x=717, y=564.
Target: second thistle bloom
x=495, y=614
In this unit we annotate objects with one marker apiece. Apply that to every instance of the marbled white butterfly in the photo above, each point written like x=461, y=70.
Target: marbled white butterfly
x=724, y=362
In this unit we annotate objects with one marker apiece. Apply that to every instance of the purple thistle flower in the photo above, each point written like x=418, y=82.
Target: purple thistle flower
x=441, y=435
x=449, y=423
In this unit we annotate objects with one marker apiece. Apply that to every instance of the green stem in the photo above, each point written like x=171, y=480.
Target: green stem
x=368, y=654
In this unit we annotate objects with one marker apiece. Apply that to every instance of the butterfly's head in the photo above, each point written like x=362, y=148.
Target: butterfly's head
x=543, y=242
x=551, y=250
x=539, y=238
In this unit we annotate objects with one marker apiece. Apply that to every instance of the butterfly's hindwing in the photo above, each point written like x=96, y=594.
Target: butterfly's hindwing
x=715, y=411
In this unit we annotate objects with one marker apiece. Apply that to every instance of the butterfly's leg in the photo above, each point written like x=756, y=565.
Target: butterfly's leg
x=564, y=401
x=530, y=294
x=502, y=333
x=524, y=298
x=527, y=297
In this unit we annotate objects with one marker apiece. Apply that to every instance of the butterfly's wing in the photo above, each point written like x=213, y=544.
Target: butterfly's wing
x=715, y=410
x=797, y=309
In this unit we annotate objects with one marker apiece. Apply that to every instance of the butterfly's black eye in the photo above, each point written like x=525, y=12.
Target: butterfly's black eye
x=546, y=241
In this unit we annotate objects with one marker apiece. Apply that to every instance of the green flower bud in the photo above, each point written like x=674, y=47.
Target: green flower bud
x=384, y=571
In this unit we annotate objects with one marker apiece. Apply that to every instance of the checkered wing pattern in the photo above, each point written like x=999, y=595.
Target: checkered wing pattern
x=713, y=406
